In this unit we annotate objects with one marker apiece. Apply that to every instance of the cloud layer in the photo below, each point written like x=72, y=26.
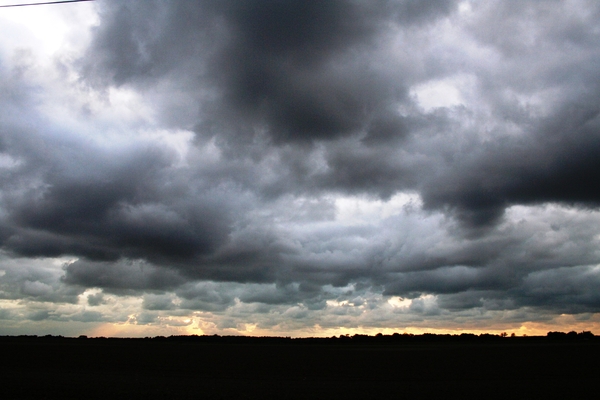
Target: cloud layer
x=282, y=165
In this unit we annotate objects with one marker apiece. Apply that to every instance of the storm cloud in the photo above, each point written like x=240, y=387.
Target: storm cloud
x=285, y=165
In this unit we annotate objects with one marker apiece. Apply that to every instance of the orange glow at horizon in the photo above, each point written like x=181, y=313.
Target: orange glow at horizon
x=563, y=323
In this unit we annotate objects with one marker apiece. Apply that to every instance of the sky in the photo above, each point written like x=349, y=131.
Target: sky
x=288, y=168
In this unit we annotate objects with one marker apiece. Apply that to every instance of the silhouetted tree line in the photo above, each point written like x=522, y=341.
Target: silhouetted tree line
x=395, y=338
x=585, y=335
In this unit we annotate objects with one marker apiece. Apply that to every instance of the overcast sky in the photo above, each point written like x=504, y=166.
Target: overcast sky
x=299, y=168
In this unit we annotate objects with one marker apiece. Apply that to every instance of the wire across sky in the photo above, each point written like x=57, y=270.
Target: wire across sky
x=44, y=3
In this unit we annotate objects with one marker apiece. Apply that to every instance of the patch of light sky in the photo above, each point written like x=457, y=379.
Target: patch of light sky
x=8, y=162
x=448, y=92
x=34, y=38
x=114, y=113
x=399, y=302
x=47, y=29
x=353, y=210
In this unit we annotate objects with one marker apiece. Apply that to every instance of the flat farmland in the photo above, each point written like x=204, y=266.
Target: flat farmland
x=38, y=368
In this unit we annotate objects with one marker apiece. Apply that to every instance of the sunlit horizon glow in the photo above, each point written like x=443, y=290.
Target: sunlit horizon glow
x=428, y=169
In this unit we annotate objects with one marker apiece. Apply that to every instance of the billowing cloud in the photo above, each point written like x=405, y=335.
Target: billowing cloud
x=301, y=167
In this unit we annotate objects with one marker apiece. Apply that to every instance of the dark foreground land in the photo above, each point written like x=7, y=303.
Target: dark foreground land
x=238, y=368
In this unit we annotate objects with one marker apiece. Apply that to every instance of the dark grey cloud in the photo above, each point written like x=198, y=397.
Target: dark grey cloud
x=299, y=71
x=64, y=195
x=555, y=163
x=207, y=296
x=158, y=302
x=95, y=299
x=34, y=280
x=120, y=276
x=545, y=88
x=293, y=108
x=567, y=290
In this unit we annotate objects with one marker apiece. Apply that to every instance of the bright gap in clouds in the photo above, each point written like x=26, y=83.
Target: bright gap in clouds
x=399, y=302
x=47, y=29
x=355, y=210
x=448, y=92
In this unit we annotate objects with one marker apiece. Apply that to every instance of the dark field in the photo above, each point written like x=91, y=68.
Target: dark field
x=62, y=368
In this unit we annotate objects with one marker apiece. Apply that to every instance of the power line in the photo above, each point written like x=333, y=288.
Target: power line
x=44, y=3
